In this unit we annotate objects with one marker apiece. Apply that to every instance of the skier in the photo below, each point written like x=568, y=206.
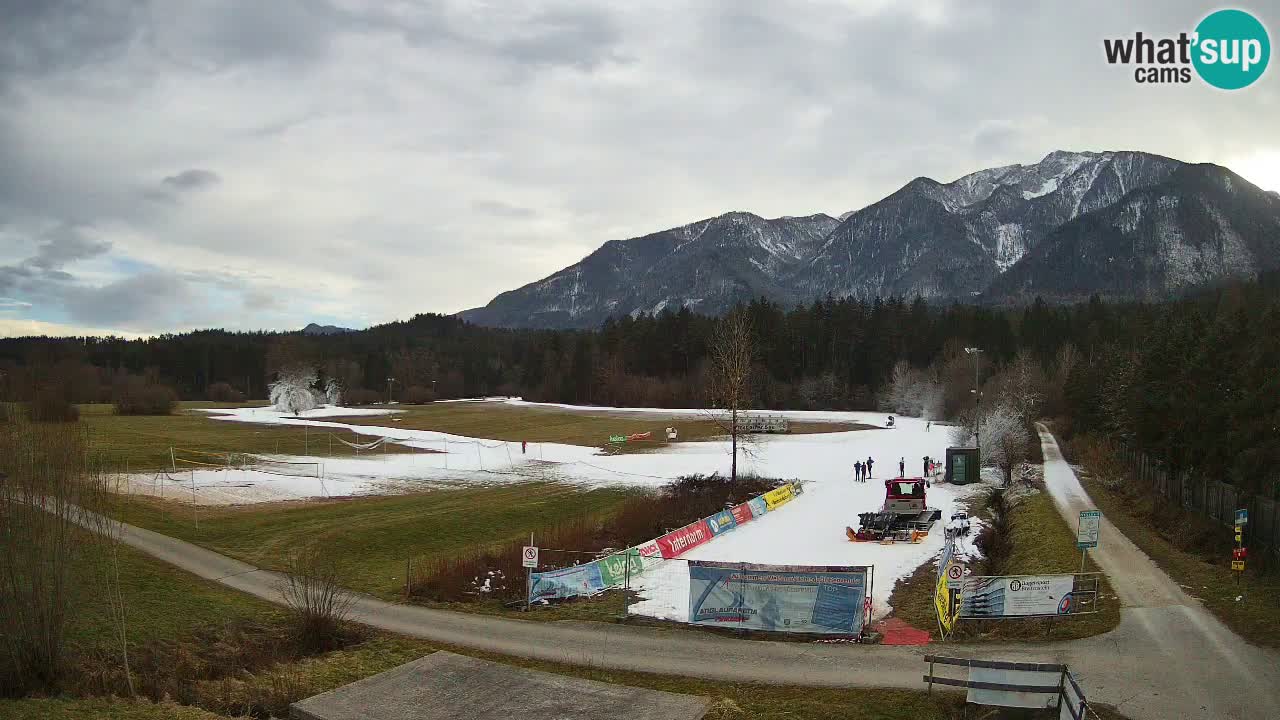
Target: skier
x=870, y=462
x=902, y=467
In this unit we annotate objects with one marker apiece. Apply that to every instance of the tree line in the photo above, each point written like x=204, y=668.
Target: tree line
x=1190, y=380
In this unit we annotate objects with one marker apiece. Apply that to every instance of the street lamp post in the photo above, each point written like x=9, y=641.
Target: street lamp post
x=977, y=400
x=389, y=381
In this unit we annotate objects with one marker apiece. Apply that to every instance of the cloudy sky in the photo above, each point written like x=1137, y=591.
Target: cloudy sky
x=250, y=164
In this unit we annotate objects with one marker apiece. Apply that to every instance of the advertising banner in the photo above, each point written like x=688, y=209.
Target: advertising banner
x=781, y=598
x=649, y=549
x=742, y=513
x=758, y=506
x=677, y=542
x=721, y=522
x=1022, y=596
x=614, y=571
x=778, y=496
x=580, y=580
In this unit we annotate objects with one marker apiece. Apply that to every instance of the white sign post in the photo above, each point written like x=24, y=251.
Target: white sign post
x=529, y=559
x=955, y=576
x=1088, y=533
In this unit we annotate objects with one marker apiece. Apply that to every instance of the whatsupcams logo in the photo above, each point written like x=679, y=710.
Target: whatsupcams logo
x=1229, y=50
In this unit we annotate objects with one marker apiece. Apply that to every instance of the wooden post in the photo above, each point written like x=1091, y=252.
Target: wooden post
x=406, y=579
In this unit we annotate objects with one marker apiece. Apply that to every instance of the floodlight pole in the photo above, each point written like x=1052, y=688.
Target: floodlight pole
x=977, y=400
x=389, y=381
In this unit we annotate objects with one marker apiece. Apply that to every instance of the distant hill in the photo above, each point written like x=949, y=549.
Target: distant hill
x=1073, y=224
x=314, y=329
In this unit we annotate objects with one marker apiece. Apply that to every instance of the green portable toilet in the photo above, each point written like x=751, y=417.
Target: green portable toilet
x=963, y=465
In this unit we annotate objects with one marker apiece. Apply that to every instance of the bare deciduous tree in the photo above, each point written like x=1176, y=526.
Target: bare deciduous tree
x=51, y=491
x=314, y=595
x=732, y=352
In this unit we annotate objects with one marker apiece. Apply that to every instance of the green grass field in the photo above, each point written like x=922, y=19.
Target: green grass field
x=160, y=602
x=140, y=443
x=1043, y=543
x=373, y=536
x=536, y=424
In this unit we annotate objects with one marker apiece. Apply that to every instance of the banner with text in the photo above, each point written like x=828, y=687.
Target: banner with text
x=580, y=580
x=678, y=542
x=721, y=522
x=742, y=514
x=778, y=496
x=1017, y=596
x=780, y=598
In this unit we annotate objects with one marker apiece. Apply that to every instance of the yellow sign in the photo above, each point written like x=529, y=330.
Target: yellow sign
x=1239, y=535
x=947, y=607
x=778, y=496
x=1237, y=565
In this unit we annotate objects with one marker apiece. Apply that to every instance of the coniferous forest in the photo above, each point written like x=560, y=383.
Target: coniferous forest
x=1192, y=381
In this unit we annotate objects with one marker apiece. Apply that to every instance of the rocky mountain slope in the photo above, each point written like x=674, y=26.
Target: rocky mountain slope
x=1055, y=228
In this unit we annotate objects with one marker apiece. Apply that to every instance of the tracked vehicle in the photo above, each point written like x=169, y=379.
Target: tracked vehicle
x=903, y=518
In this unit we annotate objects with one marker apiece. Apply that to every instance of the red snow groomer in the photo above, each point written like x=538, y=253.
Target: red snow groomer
x=904, y=517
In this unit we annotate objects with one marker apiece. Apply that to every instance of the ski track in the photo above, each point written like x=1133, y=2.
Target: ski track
x=809, y=530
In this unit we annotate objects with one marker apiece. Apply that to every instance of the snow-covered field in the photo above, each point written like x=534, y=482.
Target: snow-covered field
x=806, y=531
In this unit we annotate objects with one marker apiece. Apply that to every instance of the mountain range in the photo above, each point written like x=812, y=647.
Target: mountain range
x=1124, y=225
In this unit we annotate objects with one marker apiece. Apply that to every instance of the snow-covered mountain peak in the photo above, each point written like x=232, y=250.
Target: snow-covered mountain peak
x=952, y=240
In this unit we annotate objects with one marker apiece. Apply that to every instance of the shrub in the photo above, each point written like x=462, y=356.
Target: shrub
x=134, y=396
x=50, y=404
x=418, y=395
x=314, y=595
x=223, y=392
x=641, y=518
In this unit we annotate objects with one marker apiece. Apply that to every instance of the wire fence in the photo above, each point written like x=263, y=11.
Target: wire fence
x=1211, y=499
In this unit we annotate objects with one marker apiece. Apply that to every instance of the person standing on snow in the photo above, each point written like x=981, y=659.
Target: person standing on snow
x=902, y=467
x=926, y=466
x=857, y=471
x=870, y=462
x=928, y=424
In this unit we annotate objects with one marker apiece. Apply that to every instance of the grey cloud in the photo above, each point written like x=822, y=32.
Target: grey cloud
x=132, y=300
x=193, y=179
x=12, y=304
x=44, y=36
x=579, y=37
x=498, y=208
x=64, y=245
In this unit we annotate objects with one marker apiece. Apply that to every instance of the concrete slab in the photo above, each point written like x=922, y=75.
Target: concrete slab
x=445, y=686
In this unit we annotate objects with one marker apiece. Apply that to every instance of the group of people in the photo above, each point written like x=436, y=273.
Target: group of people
x=862, y=470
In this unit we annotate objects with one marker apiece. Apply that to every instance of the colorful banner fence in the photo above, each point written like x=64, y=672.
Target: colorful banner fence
x=613, y=571
x=779, y=598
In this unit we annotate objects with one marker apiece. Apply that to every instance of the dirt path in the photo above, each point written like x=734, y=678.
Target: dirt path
x=1230, y=677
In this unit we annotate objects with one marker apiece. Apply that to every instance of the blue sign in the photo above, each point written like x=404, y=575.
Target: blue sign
x=780, y=598
x=1242, y=517
x=758, y=506
x=577, y=581
x=721, y=522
